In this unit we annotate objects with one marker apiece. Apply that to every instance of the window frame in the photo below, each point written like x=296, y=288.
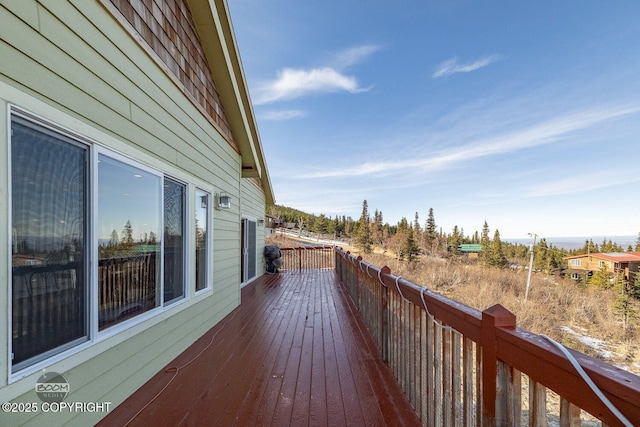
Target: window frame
x=95, y=317
x=208, y=280
x=45, y=126
x=186, y=230
x=97, y=142
x=245, y=246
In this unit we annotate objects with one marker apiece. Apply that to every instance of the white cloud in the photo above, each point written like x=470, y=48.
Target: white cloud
x=452, y=66
x=540, y=134
x=283, y=115
x=354, y=55
x=582, y=184
x=292, y=83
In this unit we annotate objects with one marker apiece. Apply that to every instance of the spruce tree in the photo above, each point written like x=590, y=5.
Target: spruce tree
x=455, y=240
x=363, y=236
x=541, y=257
x=376, y=229
x=497, y=257
x=115, y=239
x=485, y=252
x=127, y=234
x=411, y=250
x=627, y=291
x=430, y=232
x=601, y=278
x=320, y=224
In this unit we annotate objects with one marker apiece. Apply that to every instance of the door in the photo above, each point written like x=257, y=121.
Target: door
x=249, y=250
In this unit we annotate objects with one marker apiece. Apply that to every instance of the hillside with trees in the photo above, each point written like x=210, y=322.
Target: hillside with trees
x=601, y=308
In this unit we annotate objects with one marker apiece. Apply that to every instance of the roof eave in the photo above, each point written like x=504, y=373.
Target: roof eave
x=213, y=25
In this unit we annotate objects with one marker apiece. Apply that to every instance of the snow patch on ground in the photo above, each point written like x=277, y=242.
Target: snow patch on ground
x=601, y=347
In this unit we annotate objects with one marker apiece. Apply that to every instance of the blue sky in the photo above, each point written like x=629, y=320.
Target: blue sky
x=523, y=114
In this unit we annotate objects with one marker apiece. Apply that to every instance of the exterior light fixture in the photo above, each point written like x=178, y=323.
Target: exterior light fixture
x=223, y=201
x=261, y=222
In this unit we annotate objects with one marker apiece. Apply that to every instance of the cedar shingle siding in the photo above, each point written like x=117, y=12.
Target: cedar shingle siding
x=167, y=28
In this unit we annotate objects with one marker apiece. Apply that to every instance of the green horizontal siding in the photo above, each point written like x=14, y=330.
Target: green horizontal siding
x=74, y=57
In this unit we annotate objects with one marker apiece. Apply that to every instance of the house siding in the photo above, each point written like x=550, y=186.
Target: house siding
x=625, y=262
x=73, y=64
x=168, y=30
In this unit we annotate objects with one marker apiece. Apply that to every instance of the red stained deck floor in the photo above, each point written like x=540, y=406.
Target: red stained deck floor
x=295, y=353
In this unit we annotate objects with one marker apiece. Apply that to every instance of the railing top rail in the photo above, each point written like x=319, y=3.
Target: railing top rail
x=304, y=248
x=530, y=353
x=460, y=317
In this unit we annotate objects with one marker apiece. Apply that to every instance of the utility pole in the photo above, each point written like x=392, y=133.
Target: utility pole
x=526, y=293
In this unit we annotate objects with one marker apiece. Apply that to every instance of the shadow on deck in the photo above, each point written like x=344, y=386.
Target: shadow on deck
x=294, y=353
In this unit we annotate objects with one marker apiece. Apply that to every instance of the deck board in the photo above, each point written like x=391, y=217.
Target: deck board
x=294, y=353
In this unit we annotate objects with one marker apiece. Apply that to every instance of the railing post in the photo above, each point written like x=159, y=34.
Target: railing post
x=384, y=317
x=494, y=403
x=358, y=284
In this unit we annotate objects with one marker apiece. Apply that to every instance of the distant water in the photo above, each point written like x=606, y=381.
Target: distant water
x=569, y=243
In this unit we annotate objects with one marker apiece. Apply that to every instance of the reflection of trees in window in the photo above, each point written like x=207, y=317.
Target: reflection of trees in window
x=174, y=240
x=129, y=262
x=127, y=234
x=126, y=245
x=201, y=235
x=115, y=239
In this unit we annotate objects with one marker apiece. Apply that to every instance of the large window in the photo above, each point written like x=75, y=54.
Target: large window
x=97, y=239
x=129, y=207
x=49, y=232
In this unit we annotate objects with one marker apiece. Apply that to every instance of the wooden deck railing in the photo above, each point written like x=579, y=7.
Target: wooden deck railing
x=459, y=366
x=308, y=257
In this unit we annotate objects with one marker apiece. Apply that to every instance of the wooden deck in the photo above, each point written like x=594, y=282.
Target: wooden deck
x=295, y=353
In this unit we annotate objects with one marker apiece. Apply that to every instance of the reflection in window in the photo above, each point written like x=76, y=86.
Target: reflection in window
x=129, y=238
x=174, y=240
x=49, y=176
x=202, y=246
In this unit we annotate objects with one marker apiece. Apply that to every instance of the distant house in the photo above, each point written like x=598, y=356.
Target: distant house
x=472, y=250
x=133, y=192
x=272, y=222
x=626, y=263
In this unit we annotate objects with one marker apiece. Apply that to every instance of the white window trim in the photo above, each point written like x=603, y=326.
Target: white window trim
x=187, y=255
x=69, y=349
x=209, y=277
x=22, y=380
x=94, y=315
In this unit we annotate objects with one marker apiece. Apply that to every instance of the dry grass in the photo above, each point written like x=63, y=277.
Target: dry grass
x=282, y=240
x=580, y=318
